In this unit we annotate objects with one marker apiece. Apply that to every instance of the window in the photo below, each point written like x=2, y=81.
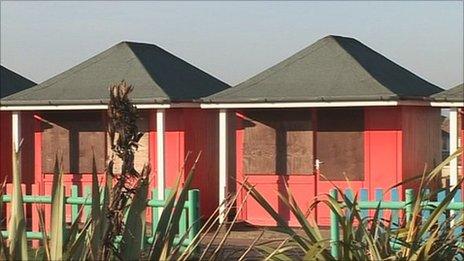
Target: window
x=278, y=142
x=340, y=143
x=75, y=137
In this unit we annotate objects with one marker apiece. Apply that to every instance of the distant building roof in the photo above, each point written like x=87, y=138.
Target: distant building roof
x=157, y=77
x=11, y=82
x=455, y=94
x=334, y=68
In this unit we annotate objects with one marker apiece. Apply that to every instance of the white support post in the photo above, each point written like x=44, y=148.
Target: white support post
x=16, y=129
x=160, y=131
x=453, y=146
x=222, y=162
x=16, y=134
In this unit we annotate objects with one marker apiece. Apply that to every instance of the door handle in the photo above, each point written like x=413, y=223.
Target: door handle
x=318, y=164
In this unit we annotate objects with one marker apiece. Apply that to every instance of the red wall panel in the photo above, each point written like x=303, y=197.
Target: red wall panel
x=5, y=145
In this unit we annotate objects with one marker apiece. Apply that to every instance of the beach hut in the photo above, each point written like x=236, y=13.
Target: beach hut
x=70, y=114
x=454, y=100
x=336, y=113
x=10, y=83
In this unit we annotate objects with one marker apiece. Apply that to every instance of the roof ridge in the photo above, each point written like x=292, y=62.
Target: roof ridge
x=359, y=64
x=144, y=67
x=282, y=64
x=71, y=71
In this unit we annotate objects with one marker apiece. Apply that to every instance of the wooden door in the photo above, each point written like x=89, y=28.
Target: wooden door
x=275, y=150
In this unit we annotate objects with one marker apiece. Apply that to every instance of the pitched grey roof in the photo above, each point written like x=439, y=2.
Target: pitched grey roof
x=11, y=82
x=334, y=68
x=157, y=77
x=455, y=94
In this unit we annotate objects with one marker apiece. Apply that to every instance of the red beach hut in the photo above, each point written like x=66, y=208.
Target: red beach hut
x=10, y=83
x=69, y=112
x=335, y=113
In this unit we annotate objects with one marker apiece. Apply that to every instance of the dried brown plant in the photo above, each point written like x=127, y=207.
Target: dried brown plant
x=124, y=138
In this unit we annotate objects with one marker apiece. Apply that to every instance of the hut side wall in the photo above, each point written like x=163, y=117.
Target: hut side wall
x=191, y=130
x=421, y=141
x=27, y=147
x=382, y=152
x=5, y=145
x=382, y=156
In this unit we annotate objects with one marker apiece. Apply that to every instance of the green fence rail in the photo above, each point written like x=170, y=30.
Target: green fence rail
x=394, y=205
x=189, y=221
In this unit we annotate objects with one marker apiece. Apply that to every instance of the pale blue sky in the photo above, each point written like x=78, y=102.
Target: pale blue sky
x=232, y=40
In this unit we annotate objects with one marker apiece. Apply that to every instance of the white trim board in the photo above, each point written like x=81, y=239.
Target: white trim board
x=92, y=107
x=311, y=104
x=447, y=104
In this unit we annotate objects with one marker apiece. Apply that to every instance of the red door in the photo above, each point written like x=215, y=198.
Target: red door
x=274, y=150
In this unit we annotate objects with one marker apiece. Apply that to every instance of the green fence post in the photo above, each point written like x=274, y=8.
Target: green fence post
x=74, y=207
x=193, y=213
x=154, y=213
x=65, y=229
x=87, y=198
x=409, y=197
x=334, y=229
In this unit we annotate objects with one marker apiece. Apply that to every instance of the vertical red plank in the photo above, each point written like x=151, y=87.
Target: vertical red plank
x=35, y=216
x=384, y=151
x=239, y=138
x=38, y=154
x=5, y=146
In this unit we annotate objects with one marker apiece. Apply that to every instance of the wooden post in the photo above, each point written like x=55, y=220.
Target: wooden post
x=16, y=131
x=334, y=229
x=453, y=146
x=409, y=197
x=222, y=163
x=160, y=160
x=193, y=213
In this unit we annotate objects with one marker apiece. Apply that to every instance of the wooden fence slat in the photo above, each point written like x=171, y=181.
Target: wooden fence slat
x=74, y=208
x=364, y=196
x=440, y=197
x=394, y=197
x=349, y=196
x=190, y=213
x=425, y=212
x=458, y=230
x=88, y=196
x=154, y=213
x=379, y=197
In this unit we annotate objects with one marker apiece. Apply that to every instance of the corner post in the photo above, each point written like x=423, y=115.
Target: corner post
x=222, y=163
x=160, y=159
x=16, y=133
x=453, y=146
x=334, y=229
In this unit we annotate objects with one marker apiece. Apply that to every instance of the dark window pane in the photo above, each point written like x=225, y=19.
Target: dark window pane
x=278, y=142
x=74, y=137
x=340, y=143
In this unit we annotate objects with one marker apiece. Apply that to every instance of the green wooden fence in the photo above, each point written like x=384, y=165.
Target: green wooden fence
x=394, y=205
x=189, y=221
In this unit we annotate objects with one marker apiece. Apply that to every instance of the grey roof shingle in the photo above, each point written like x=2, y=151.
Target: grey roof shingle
x=11, y=82
x=157, y=77
x=455, y=94
x=334, y=68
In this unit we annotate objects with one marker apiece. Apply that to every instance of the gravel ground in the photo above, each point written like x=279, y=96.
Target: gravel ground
x=242, y=236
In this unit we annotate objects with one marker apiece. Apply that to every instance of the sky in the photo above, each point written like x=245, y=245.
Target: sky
x=231, y=40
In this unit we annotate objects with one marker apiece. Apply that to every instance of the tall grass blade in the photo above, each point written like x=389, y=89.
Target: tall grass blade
x=57, y=213
x=161, y=232
x=17, y=224
x=134, y=233
x=177, y=212
x=3, y=247
x=96, y=215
